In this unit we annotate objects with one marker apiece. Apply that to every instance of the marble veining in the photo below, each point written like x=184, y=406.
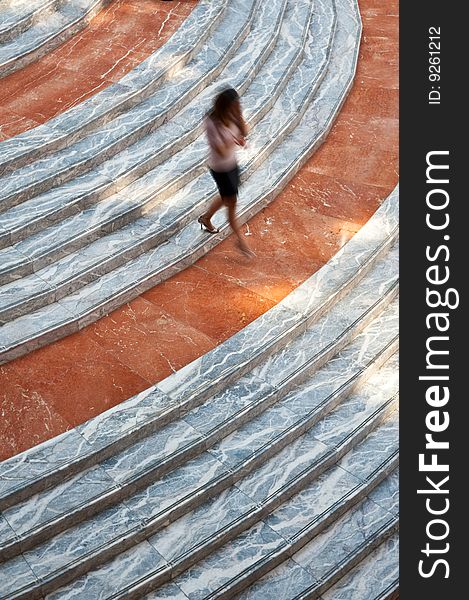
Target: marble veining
x=115, y=98
x=284, y=582
x=58, y=501
x=169, y=249
x=348, y=534
x=226, y=564
x=134, y=564
x=372, y=577
x=22, y=470
x=149, y=452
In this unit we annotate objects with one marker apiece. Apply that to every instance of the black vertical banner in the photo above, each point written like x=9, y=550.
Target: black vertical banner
x=434, y=325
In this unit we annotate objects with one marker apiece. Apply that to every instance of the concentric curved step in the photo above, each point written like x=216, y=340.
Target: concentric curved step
x=342, y=554
x=57, y=21
x=40, y=467
x=17, y=15
x=115, y=99
x=134, y=161
x=239, y=453
x=285, y=520
x=220, y=416
x=187, y=246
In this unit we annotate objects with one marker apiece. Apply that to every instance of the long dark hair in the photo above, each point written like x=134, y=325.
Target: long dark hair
x=222, y=106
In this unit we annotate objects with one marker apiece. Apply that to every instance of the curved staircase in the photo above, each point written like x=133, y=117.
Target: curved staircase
x=236, y=469
x=29, y=30
x=268, y=467
x=114, y=213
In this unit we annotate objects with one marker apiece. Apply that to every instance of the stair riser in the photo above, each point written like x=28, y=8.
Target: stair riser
x=64, y=139
x=73, y=28
x=28, y=21
x=87, y=199
x=73, y=517
x=252, y=517
x=351, y=562
x=230, y=590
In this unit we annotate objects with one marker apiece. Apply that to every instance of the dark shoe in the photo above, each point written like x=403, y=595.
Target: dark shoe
x=205, y=224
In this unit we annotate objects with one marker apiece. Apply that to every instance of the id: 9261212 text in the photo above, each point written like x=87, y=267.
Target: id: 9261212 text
x=434, y=65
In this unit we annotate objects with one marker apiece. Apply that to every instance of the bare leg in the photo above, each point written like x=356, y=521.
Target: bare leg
x=230, y=202
x=205, y=219
x=212, y=209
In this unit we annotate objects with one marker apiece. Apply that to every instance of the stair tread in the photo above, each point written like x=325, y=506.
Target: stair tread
x=19, y=473
x=229, y=506
x=92, y=299
x=70, y=124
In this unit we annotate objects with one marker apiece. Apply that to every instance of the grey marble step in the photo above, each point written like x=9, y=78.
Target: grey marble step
x=225, y=516
x=373, y=579
x=118, y=286
x=274, y=539
x=133, y=88
x=271, y=38
x=219, y=416
x=336, y=551
x=18, y=15
x=54, y=27
x=155, y=187
x=38, y=468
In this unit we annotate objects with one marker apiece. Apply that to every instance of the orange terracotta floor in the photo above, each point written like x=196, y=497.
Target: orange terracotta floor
x=116, y=40
x=336, y=192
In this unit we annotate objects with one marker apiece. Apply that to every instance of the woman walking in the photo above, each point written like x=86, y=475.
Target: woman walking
x=225, y=128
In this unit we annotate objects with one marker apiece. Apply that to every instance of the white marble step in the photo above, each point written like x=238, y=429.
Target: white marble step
x=130, y=126
x=375, y=578
x=134, y=87
x=335, y=551
x=197, y=533
x=219, y=415
x=153, y=188
x=117, y=287
x=134, y=161
x=18, y=15
x=260, y=549
x=54, y=27
x=47, y=464
x=153, y=195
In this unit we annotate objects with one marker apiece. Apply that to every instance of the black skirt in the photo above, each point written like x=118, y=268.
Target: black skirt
x=227, y=182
